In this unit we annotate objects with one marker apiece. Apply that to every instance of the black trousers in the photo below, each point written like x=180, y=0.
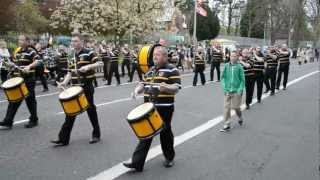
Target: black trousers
x=65, y=132
x=125, y=63
x=285, y=71
x=106, y=65
x=60, y=73
x=213, y=67
x=199, y=69
x=40, y=76
x=259, y=78
x=249, y=89
x=135, y=67
x=114, y=69
x=4, y=75
x=30, y=101
x=52, y=72
x=180, y=64
x=166, y=140
x=270, y=79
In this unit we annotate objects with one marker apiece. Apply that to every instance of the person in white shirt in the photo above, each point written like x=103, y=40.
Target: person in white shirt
x=4, y=57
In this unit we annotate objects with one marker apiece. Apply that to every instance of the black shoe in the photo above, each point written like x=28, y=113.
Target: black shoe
x=168, y=164
x=248, y=106
x=240, y=122
x=5, y=126
x=225, y=128
x=259, y=100
x=94, y=140
x=277, y=88
x=31, y=125
x=59, y=143
x=45, y=90
x=284, y=88
x=267, y=91
x=272, y=94
x=132, y=166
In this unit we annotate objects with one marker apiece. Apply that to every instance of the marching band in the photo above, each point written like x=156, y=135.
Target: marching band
x=159, y=75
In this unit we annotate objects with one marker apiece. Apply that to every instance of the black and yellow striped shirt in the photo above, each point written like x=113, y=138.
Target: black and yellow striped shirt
x=168, y=74
x=284, y=59
x=217, y=57
x=25, y=57
x=248, y=71
x=199, y=61
x=258, y=66
x=114, y=57
x=62, y=61
x=83, y=58
x=271, y=63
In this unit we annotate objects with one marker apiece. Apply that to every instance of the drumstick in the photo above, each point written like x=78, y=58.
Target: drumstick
x=14, y=65
x=59, y=84
x=150, y=83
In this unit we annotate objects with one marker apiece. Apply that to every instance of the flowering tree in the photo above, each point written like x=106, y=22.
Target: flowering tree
x=99, y=17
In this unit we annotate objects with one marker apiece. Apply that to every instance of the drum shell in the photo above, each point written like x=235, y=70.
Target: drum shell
x=16, y=93
x=148, y=125
x=145, y=57
x=75, y=105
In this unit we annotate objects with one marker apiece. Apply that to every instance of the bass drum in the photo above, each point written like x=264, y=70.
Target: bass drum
x=145, y=57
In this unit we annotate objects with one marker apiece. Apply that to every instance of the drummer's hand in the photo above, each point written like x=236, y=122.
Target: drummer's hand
x=163, y=87
x=26, y=69
x=84, y=69
x=134, y=95
x=60, y=86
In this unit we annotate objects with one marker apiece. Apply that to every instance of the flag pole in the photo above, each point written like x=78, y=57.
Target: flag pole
x=195, y=27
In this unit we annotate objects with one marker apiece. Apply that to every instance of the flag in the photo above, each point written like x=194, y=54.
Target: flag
x=200, y=9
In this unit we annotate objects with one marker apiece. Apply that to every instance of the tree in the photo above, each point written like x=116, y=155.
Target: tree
x=207, y=27
x=28, y=18
x=22, y=16
x=7, y=15
x=232, y=6
x=252, y=23
x=99, y=17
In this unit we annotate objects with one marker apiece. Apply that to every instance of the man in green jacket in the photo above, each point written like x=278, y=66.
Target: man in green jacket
x=233, y=83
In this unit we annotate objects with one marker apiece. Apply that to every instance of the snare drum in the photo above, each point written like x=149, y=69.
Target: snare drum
x=15, y=89
x=145, y=57
x=73, y=101
x=145, y=121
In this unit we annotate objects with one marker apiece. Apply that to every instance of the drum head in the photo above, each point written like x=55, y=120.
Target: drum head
x=70, y=92
x=140, y=111
x=13, y=82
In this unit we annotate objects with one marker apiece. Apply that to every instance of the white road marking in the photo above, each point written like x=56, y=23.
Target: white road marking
x=119, y=169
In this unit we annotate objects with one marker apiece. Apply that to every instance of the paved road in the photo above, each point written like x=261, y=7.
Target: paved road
x=280, y=139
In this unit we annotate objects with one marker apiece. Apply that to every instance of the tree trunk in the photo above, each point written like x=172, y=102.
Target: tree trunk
x=229, y=18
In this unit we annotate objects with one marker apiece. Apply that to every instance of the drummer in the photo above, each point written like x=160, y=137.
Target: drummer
x=163, y=97
x=25, y=58
x=83, y=75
